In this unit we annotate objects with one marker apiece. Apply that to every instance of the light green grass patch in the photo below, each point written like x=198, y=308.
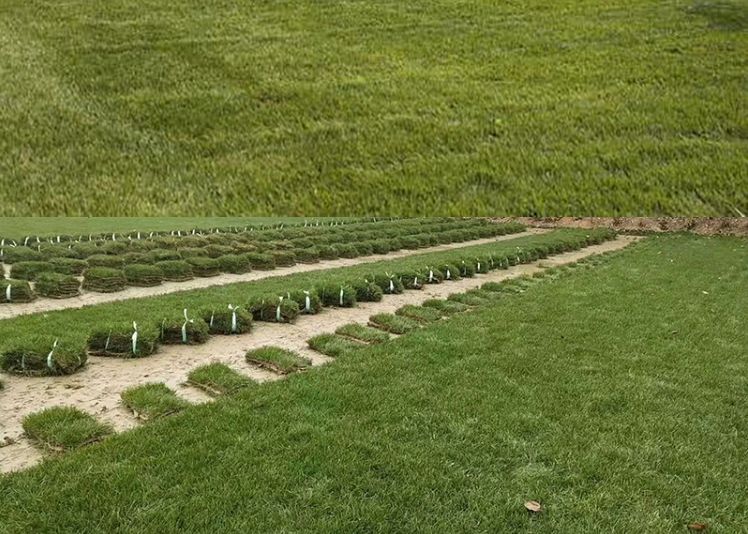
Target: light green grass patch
x=334, y=345
x=278, y=360
x=394, y=324
x=363, y=333
x=62, y=428
x=218, y=379
x=151, y=401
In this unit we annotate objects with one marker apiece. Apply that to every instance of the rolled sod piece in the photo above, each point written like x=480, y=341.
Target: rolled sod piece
x=114, y=247
x=334, y=345
x=216, y=251
x=137, y=258
x=120, y=340
x=467, y=268
x=451, y=272
x=63, y=428
x=327, y=252
x=433, y=275
x=446, y=307
x=389, y=283
x=181, y=330
x=272, y=308
x=43, y=356
x=306, y=255
x=283, y=258
x=278, y=360
x=143, y=275
x=16, y=291
x=204, y=267
x=395, y=324
x=175, y=270
x=234, y=264
x=260, y=261
x=308, y=301
x=71, y=266
x=381, y=246
x=343, y=296
x=163, y=254
x=412, y=279
x=227, y=320
x=364, y=248
x=30, y=270
x=20, y=253
x=419, y=313
x=57, y=286
x=151, y=401
x=192, y=252
x=218, y=379
x=366, y=291
x=104, y=280
x=84, y=250
x=363, y=333
x=346, y=250
x=104, y=260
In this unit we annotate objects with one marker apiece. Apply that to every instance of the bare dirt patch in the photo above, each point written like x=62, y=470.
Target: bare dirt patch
x=737, y=226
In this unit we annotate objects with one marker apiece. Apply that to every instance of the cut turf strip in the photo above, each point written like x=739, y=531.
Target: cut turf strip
x=421, y=314
x=218, y=379
x=151, y=401
x=62, y=428
x=91, y=298
x=96, y=389
x=394, y=324
x=278, y=360
x=362, y=333
x=334, y=345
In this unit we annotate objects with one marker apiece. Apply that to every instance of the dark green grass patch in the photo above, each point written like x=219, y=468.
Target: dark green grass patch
x=343, y=296
x=234, y=264
x=104, y=280
x=63, y=428
x=608, y=394
x=128, y=340
x=283, y=258
x=274, y=309
x=446, y=307
x=227, y=321
x=151, y=401
x=395, y=324
x=366, y=291
x=363, y=333
x=71, y=266
x=333, y=344
x=260, y=261
x=423, y=314
x=57, y=286
x=308, y=301
x=218, y=379
x=105, y=260
x=278, y=360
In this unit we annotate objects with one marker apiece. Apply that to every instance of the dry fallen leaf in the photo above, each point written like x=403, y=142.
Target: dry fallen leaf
x=697, y=526
x=533, y=506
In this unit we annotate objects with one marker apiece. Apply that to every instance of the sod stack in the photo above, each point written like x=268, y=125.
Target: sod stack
x=184, y=330
x=57, y=286
x=104, y=280
x=42, y=356
x=273, y=308
x=16, y=291
x=227, y=321
x=128, y=340
x=143, y=275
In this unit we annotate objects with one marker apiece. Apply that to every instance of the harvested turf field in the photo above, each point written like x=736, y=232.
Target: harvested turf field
x=442, y=106
x=611, y=393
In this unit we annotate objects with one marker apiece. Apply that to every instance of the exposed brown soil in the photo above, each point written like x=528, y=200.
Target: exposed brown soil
x=96, y=389
x=697, y=225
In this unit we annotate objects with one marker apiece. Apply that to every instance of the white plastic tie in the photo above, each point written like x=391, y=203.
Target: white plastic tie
x=342, y=293
x=50, y=356
x=278, y=310
x=233, y=318
x=431, y=276
x=307, y=302
x=184, y=326
x=135, y=337
x=8, y=291
x=449, y=274
x=26, y=241
x=212, y=316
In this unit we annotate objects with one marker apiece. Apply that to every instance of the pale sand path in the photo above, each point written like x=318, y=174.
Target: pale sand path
x=97, y=388
x=89, y=298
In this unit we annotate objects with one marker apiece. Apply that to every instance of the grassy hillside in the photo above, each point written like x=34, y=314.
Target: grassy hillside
x=530, y=107
x=614, y=395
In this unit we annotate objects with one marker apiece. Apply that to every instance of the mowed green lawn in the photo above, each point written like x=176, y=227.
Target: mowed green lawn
x=531, y=107
x=614, y=395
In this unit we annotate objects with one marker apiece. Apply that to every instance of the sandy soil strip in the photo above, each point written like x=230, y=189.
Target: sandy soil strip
x=88, y=298
x=97, y=388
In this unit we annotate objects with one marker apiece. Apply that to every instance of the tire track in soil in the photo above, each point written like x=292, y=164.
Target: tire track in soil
x=97, y=388
x=90, y=298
